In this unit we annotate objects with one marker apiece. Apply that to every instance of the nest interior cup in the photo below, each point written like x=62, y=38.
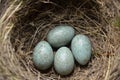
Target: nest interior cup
x=24, y=23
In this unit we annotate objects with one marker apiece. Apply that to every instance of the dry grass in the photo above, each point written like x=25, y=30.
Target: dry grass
x=25, y=23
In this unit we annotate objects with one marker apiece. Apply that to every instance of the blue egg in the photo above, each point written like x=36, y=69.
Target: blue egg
x=43, y=55
x=64, y=61
x=60, y=35
x=81, y=49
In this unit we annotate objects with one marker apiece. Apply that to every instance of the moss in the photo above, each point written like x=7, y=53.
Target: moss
x=117, y=22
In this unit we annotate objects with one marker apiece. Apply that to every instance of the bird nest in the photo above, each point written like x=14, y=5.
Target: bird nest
x=24, y=23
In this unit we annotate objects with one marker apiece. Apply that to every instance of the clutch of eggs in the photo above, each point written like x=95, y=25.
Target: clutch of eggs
x=63, y=59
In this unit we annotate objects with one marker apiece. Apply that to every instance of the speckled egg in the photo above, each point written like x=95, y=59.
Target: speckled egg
x=81, y=49
x=64, y=61
x=60, y=35
x=43, y=55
